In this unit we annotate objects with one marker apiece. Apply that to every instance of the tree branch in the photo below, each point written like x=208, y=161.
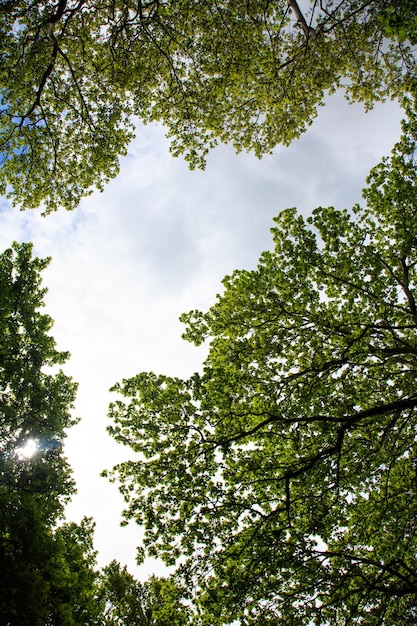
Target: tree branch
x=307, y=29
x=53, y=19
x=42, y=84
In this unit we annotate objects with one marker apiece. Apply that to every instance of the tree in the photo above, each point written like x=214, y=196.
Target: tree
x=47, y=573
x=282, y=478
x=49, y=576
x=247, y=72
x=156, y=602
x=36, y=398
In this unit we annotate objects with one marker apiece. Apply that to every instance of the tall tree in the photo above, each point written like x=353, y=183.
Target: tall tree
x=47, y=573
x=251, y=73
x=284, y=475
x=36, y=398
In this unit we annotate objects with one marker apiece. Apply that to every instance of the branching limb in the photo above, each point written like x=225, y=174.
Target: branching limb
x=47, y=73
x=306, y=28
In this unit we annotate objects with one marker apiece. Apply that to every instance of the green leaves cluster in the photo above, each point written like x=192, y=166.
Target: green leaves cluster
x=36, y=398
x=47, y=574
x=63, y=124
x=250, y=73
x=399, y=20
x=156, y=602
x=281, y=479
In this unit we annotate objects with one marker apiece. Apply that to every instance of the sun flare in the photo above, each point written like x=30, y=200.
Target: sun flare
x=27, y=450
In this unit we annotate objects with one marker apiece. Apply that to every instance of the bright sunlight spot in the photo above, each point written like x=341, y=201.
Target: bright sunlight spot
x=27, y=450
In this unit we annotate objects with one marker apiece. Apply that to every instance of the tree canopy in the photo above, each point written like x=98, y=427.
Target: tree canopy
x=252, y=73
x=282, y=478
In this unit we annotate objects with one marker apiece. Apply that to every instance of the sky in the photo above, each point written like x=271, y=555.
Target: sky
x=156, y=243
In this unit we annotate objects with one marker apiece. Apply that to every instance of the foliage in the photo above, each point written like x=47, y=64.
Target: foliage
x=47, y=574
x=282, y=479
x=247, y=72
x=48, y=577
x=156, y=602
x=399, y=21
x=36, y=399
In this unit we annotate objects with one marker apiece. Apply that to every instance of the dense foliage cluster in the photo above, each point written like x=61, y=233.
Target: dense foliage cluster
x=283, y=477
x=252, y=73
x=38, y=579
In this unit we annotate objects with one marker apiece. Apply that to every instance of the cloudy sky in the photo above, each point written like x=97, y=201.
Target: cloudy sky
x=157, y=243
